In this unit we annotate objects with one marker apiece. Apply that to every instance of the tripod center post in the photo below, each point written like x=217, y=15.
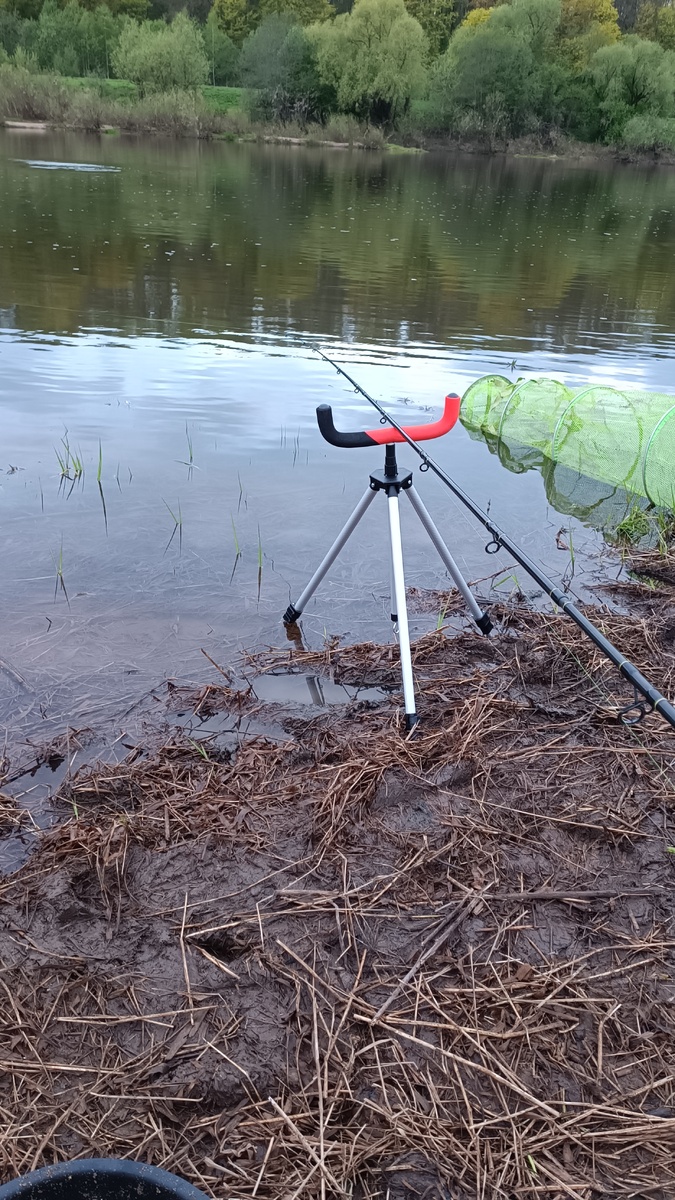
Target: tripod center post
x=390, y=464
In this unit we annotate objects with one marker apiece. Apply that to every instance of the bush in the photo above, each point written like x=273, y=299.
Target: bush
x=162, y=58
x=90, y=112
x=28, y=97
x=175, y=114
x=343, y=128
x=649, y=133
x=172, y=113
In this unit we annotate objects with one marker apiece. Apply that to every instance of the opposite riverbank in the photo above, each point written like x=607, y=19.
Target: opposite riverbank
x=111, y=107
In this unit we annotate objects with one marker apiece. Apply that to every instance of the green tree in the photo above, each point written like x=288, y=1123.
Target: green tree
x=27, y=10
x=305, y=12
x=236, y=18
x=73, y=40
x=10, y=30
x=497, y=73
x=221, y=52
x=657, y=23
x=487, y=71
x=137, y=9
x=476, y=17
x=278, y=61
x=374, y=57
x=585, y=26
x=240, y=18
x=437, y=18
x=536, y=22
x=631, y=78
x=158, y=57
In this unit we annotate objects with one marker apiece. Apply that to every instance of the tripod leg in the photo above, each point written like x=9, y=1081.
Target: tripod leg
x=392, y=592
x=294, y=610
x=411, y=717
x=481, y=618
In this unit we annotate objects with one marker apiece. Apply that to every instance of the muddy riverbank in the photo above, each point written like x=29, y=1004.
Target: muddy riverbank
x=284, y=953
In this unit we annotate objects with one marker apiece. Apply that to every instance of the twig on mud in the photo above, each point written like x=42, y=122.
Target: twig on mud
x=465, y=908
x=186, y=972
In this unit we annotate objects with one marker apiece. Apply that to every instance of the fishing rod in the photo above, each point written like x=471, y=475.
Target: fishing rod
x=500, y=539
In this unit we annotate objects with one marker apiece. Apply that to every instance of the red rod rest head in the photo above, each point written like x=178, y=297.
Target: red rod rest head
x=420, y=433
x=386, y=434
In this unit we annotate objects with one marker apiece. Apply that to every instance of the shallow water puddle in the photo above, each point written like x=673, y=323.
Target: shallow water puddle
x=295, y=688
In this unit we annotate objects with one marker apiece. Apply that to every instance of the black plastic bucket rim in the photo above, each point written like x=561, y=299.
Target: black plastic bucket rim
x=147, y=1182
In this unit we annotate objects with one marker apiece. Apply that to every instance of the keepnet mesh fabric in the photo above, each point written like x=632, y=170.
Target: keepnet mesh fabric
x=597, y=434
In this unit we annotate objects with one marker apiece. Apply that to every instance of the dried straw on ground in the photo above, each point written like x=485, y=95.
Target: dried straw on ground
x=326, y=960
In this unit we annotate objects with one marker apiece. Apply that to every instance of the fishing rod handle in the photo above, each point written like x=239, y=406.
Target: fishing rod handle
x=385, y=435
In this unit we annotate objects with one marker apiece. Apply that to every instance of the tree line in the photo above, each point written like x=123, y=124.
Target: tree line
x=591, y=69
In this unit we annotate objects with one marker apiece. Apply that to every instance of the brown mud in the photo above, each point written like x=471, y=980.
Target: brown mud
x=320, y=959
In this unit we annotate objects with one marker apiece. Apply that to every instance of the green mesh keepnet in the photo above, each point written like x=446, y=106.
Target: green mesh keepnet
x=624, y=440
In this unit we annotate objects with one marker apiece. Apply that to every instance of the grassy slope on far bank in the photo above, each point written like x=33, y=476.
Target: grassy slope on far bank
x=216, y=99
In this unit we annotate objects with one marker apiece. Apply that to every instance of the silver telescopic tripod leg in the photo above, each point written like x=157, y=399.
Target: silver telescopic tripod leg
x=401, y=609
x=392, y=591
x=481, y=618
x=294, y=610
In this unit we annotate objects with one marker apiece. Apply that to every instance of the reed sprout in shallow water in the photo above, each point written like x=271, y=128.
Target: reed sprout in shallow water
x=237, y=548
x=177, y=528
x=100, y=485
x=70, y=463
x=60, y=583
x=190, y=461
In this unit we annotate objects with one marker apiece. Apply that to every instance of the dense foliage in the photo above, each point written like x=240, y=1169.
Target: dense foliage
x=591, y=69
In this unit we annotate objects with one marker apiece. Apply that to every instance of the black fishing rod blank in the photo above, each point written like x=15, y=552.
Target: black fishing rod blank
x=642, y=687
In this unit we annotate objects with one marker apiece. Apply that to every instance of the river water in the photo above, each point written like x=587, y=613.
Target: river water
x=160, y=307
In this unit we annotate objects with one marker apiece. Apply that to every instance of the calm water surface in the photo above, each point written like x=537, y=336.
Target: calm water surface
x=159, y=307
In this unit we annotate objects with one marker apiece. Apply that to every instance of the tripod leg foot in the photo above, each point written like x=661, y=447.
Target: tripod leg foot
x=485, y=624
x=291, y=615
x=411, y=720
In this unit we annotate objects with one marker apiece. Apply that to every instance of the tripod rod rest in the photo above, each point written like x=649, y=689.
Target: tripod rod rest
x=386, y=434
